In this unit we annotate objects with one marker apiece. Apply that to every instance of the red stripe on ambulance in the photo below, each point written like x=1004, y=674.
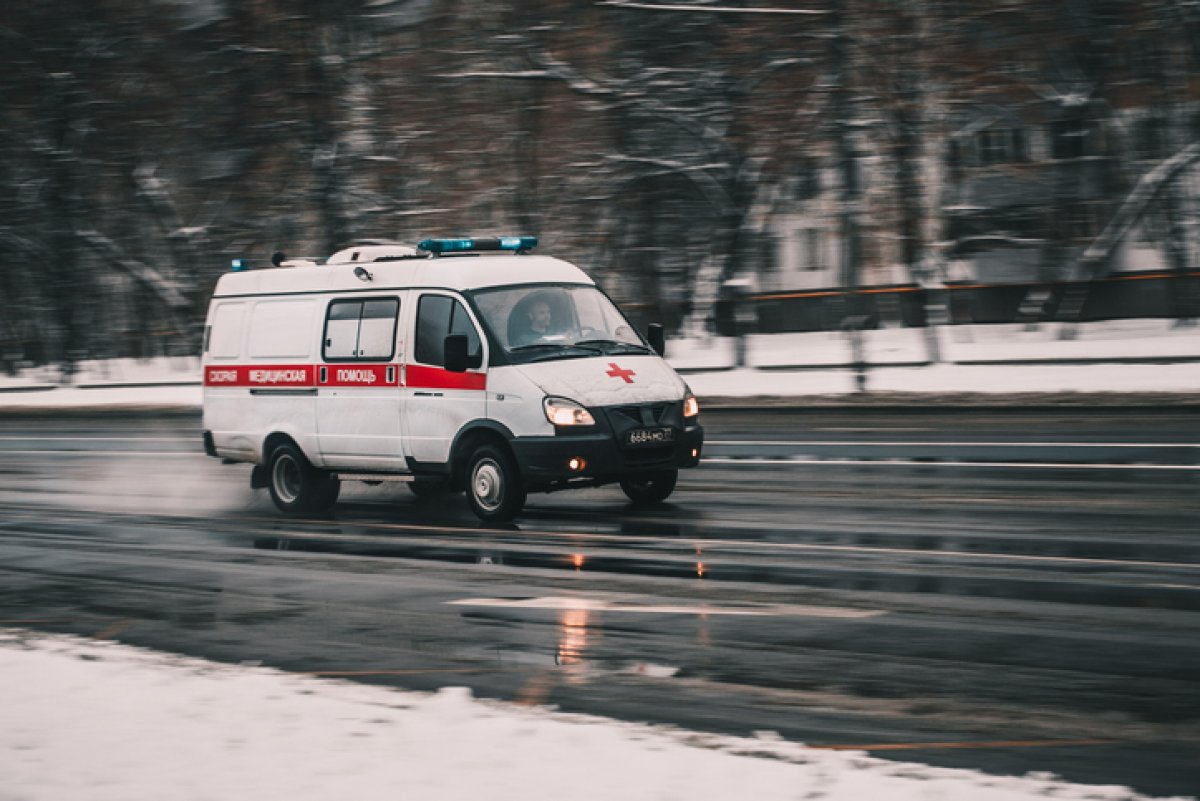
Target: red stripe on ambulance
x=358, y=375
x=422, y=377
x=340, y=375
x=285, y=375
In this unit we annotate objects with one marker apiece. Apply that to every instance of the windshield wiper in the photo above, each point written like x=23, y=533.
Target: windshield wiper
x=537, y=346
x=560, y=350
x=614, y=343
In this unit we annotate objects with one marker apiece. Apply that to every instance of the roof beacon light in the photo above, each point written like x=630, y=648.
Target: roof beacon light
x=239, y=265
x=520, y=244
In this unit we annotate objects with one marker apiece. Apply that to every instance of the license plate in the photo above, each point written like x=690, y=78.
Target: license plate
x=650, y=436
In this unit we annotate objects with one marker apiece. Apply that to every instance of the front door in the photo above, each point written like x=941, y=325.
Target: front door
x=438, y=402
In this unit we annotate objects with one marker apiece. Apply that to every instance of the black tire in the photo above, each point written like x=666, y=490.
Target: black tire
x=645, y=489
x=495, y=488
x=298, y=488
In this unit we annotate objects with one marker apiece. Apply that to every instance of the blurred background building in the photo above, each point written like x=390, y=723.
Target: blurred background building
x=785, y=165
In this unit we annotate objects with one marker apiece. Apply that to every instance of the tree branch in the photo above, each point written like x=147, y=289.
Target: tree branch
x=147, y=276
x=1135, y=206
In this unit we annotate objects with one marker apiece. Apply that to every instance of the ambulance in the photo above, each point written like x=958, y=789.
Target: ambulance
x=457, y=365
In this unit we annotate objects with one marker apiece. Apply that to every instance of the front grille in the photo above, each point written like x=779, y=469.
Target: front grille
x=649, y=414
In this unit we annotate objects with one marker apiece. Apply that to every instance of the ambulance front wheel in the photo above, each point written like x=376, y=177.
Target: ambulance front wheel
x=495, y=489
x=650, y=488
x=296, y=486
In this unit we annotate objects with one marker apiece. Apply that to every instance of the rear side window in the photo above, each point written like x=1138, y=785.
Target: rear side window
x=361, y=330
x=225, y=340
x=281, y=329
x=437, y=316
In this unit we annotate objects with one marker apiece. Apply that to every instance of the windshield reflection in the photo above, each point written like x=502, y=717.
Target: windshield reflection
x=543, y=322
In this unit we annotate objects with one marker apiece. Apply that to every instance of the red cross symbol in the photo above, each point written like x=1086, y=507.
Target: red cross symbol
x=619, y=372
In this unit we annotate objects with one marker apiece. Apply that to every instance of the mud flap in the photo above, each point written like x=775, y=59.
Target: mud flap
x=258, y=477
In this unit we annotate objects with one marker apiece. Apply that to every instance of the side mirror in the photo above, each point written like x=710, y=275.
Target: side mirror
x=455, y=350
x=658, y=340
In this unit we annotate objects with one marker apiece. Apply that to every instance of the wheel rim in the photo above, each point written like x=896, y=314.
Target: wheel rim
x=286, y=479
x=487, y=484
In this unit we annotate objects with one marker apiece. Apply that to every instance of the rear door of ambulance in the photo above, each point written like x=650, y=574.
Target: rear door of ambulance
x=359, y=401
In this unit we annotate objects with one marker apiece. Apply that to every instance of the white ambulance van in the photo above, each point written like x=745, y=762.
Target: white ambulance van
x=461, y=364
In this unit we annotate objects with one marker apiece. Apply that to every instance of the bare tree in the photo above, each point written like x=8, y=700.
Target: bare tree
x=681, y=160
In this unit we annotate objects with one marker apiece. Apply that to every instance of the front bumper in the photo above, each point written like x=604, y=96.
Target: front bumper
x=544, y=461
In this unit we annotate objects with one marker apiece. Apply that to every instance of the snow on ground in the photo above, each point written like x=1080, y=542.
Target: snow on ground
x=1097, y=349
x=115, y=382
x=93, y=375
x=1110, y=339
x=1122, y=339
x=74, y=397
x=98, y=720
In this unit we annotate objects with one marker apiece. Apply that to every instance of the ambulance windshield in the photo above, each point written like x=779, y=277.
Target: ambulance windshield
x=540, y=323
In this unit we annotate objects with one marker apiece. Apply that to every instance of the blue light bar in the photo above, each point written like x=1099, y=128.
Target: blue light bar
x=239, y=265
x=464, y=245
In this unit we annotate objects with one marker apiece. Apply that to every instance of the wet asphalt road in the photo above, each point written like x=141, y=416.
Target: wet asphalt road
x=1003, y=590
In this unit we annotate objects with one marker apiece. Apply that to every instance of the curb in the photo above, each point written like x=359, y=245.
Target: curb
x=29, y=388
x=1050, y=362
x=133, y=410
x=141, y=385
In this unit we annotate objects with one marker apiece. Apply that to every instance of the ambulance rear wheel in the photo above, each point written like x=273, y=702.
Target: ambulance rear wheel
x=650, y=488
x=495, y=489
x=296, y=486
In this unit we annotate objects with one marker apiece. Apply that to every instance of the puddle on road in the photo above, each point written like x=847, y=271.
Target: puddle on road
x=688, y=561
x=491, y=555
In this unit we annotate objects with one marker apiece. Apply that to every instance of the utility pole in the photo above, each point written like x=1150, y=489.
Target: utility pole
x=850, y=201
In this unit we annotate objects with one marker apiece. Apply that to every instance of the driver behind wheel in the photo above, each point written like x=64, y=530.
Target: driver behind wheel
x=537, y=325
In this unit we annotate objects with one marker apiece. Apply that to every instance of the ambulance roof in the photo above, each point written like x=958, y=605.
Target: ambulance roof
x=443, y=272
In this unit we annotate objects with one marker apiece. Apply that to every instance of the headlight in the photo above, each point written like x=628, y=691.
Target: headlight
x=691, y=407
x=563, y=412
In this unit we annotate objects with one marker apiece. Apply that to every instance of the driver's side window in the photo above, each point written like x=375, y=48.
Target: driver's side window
x=437, y=316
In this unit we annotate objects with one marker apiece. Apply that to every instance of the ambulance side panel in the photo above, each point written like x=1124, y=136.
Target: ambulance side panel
x=259, y=375
x=516, y=403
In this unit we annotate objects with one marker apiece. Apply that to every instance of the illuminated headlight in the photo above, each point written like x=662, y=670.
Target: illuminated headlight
x=691, y=407
x=563, y=412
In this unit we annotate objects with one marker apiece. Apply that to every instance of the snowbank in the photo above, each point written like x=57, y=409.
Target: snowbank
x=97, y=720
